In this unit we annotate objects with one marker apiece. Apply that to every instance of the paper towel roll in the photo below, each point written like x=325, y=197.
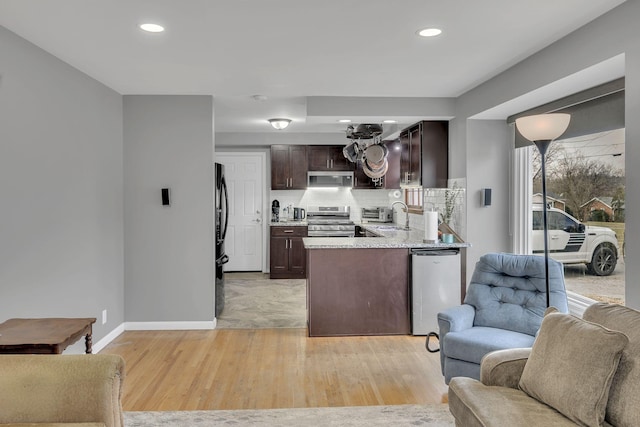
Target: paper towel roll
x=431, y=226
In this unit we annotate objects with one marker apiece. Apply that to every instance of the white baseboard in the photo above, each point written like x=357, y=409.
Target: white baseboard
x=169, y=326
x=108, y=338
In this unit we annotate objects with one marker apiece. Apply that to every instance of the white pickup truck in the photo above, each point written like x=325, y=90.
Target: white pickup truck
x=572, y=242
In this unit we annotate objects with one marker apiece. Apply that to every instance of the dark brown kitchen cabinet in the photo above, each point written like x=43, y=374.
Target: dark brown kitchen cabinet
x=411, y=143
x=328, y=158
x=424, y=155
x=358, y=291
x=361, y=181
x=435, y=154
x=289, y=167
x=288, y=257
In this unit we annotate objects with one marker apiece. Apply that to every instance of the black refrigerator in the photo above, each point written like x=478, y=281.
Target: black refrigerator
x=222, y=218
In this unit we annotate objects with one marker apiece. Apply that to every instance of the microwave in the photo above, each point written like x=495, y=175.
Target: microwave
x=379, y=214
x=317, y=179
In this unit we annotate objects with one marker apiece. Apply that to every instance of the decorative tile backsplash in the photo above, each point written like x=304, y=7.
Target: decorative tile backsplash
x=357, y=199
x=449, y=202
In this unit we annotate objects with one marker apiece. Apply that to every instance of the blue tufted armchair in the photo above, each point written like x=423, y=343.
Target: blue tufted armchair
x=503, y=308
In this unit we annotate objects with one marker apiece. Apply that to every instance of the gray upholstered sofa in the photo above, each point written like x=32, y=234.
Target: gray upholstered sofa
x=503, y=308
x=579, y=371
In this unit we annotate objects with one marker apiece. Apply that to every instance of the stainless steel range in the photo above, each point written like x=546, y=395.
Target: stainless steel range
x=330, y=221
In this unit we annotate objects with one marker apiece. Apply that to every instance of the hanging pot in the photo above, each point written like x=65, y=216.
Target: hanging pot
x=377, y=172
x=351, y=152
x=375, y=156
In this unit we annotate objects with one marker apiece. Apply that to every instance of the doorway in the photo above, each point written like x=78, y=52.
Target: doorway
x=246, y=230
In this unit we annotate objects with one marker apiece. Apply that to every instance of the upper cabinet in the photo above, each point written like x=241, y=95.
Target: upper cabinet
x=425, y=154
x=418, y=158
x=289, y=167
x=328, y=158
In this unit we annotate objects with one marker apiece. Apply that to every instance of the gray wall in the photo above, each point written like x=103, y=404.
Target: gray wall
x=168, y=142
x=61, y=228
x=608, y=36
x=489, y=147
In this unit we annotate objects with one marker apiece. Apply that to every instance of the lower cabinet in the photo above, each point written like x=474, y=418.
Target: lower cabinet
x=288, y=257
x=358, y=292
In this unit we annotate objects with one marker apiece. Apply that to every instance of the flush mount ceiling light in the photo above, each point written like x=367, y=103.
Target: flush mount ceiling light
x=429, y=32
x=152, y=28
x=279, y=123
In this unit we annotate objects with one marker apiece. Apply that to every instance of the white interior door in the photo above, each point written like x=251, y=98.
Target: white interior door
x=245, y=182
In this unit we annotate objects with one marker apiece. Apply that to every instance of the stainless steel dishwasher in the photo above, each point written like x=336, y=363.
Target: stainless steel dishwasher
x=435, y=285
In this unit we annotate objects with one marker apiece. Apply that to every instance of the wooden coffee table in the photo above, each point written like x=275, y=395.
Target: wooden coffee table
x=44, y=336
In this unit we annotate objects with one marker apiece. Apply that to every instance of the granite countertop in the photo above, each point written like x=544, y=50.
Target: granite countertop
x=390, y=237
x=288, y=223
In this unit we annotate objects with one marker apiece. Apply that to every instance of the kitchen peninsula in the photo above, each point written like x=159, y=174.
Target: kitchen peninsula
x=360, y=286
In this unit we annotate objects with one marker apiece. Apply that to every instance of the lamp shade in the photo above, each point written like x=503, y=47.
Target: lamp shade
x=543, y=127
x=279, y=123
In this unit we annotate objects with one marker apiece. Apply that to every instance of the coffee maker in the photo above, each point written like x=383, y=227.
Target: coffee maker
x=275, y=211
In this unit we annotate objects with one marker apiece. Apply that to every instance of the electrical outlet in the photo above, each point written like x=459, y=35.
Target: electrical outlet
x=104, y=316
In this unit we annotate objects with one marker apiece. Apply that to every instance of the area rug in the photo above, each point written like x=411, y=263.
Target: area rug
x=253, y=301
x=352, y=416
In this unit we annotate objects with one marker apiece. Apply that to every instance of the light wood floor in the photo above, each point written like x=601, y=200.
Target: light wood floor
x=273, y=368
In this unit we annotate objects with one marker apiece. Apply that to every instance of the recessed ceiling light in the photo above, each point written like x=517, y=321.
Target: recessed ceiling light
x=430, y=32
x=344, y=121
x=389, y=121
x=152, y=28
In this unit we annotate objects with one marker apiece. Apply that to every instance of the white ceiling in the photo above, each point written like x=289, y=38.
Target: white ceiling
x=288, y=50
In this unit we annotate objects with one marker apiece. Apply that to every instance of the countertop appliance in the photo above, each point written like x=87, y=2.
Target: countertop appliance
x=275, y=211
x=377, y=214
x=435, y=285
x=222, y=219
x=299, y=214
x=330, y=221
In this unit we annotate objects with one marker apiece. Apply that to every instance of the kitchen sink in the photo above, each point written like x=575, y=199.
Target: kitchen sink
x=386, y=227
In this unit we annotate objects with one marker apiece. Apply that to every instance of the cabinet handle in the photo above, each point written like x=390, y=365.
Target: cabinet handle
x=286, y=243
x=331, y=163
x=328, y=164
x=288, y=231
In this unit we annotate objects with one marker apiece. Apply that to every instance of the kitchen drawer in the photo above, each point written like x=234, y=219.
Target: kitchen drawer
x=291, y=231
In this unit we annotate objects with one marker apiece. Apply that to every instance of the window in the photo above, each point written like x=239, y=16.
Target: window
x=414, y=198
x=583, y=173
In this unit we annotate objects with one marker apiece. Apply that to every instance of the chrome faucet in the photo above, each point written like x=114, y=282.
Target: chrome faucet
x=406, y=208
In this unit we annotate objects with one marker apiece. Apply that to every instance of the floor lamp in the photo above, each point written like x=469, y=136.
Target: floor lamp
x=541, y=129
